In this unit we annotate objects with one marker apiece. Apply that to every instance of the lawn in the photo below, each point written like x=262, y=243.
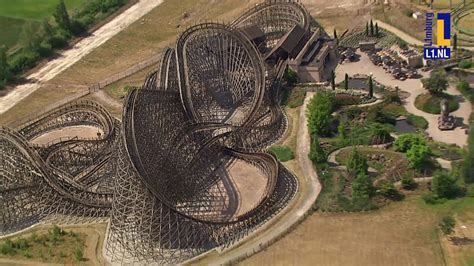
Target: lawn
x=402, y=233
x=14, y=14
x=431, y=103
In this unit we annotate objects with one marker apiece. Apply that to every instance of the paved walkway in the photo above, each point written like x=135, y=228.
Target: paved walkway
x=414, y=87
x=81, y=49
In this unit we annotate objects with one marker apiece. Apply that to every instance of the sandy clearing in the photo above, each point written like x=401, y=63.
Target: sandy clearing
x=82, y=132
x=82, y=48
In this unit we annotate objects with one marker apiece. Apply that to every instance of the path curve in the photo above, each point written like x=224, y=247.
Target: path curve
x=78, y=51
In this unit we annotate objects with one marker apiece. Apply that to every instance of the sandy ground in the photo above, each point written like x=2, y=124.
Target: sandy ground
x=457, y=136
x=250, y=184
x=82, y=132
x=82, y=48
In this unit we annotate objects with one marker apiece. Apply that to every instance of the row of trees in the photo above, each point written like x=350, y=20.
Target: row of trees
x=371, y=29
x=40, y=41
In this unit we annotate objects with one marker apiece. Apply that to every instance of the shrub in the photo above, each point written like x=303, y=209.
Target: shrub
x=60, y=38
x=7, y=248
x=45, y=48
x=77, y=28
x=405, y=141
x=447, y=225
x=357, y=163
x=316, y=152
x=388, y=190
x=444, y=185
x=362, y=187
x=437, y=82
x=408, y=182
x=465, y=64
x=291, y=76
x=417, y=155
x=319, y=113
x=431, y=198
x=24, y=60
x=78, y=254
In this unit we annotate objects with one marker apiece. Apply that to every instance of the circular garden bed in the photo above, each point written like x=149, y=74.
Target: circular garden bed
x=431, y=103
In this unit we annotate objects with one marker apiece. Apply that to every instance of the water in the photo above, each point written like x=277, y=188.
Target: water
x=402, y=126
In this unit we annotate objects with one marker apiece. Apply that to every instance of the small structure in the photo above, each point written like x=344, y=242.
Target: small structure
x=445, y=121
x=412, y=58
x=417, y=15
x=367, y=46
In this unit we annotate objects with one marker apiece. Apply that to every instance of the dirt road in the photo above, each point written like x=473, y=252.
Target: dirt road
x=82, y=48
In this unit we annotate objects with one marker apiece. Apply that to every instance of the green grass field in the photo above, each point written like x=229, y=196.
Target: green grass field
x=14, y=14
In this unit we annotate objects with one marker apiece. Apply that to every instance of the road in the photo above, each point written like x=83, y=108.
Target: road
x=81, y=49
x=414, y=87
x=309, y=189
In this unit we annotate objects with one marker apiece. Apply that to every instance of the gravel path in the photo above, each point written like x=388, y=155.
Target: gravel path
x=414, y=87
x=82, y=48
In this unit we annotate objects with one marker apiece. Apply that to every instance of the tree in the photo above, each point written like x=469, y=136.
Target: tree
x=371, y=87
x=5, y=74
x=346, y=82
x=444, y=185
x=316, y=152
x=367, y=29
x=447, y=225
x=341, y=129
x=362, y=187
x=405, y=141
x=61, y=16
x=357, y=163
x=455, y=41
x=417, y=155
x=377, y=29
x=463, y=86
x=291, y=76
x=467, y=170
x=371, y=28
x=437, y=82
x=333, y=80
x=388, y=190
x=319, y=113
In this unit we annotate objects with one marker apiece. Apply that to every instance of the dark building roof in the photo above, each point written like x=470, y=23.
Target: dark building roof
x=253, y=32
x=290, y=42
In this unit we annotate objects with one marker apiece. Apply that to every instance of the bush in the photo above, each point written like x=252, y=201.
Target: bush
x=77, y=28
x=78, y=254
x=388, y=190
x=316, y=152
x=7, y=248
x=291, y=76
x=465, y=64
x=23, y=60
x=447, y=225
x=405, y=141
x=444, y=185
x=282, y=153
x=45, y=49
x=408, y=182
x=431, y=198
x=417, y=155
x=437, y=82
x=60, y=38
x=362, y=188
x=319, y=113
x=357, y=163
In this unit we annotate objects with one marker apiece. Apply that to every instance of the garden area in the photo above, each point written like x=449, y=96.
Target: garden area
x=365, y=162
x=51, y=246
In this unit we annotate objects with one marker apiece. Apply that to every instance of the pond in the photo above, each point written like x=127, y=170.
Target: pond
x=359, y=83
x=402, y=126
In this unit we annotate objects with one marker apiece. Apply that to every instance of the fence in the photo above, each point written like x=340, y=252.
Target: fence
x=93, y=88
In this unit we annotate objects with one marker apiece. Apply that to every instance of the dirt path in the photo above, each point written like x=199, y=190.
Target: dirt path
x=82, y=48
x=414, y=87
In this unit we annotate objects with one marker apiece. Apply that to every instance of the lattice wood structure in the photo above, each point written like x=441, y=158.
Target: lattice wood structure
x=162, y=174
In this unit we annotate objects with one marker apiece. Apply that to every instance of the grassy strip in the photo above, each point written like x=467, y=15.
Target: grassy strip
x=283, y=153
x=431, y=103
